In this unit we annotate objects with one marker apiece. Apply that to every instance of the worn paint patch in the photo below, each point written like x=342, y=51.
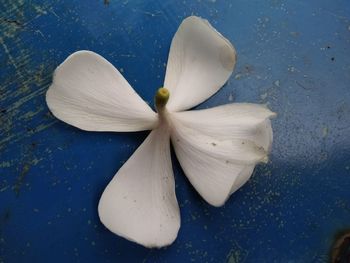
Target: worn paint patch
x=237, y=254
x=5, y=164
x=20, y=178
x=22, y=80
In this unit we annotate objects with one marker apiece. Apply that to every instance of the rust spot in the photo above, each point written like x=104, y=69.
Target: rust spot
x=340, y=252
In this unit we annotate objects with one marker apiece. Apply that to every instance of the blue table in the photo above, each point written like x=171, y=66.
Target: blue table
x=293, y=55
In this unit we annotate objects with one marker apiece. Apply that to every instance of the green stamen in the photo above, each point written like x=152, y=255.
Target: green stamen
x=161, y=98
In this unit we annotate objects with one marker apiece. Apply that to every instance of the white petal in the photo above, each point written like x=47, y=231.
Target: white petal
x=242, y=121
x=88, y=92
x=218, y=148
x=200, y=62
x=237, y=150
x=242, y=178
x=139, y=203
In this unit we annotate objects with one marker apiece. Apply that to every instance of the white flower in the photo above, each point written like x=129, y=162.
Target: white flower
x=217, y=148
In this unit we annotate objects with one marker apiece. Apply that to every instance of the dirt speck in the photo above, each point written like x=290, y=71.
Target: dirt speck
x=6, y=216
x=230, y=97
x=324, y=132
x=263, y=96
x=294, y=34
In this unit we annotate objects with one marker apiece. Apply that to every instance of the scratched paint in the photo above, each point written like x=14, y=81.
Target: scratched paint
x=22, y=83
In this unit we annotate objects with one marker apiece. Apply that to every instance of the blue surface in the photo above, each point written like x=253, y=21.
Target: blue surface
x=293, y=55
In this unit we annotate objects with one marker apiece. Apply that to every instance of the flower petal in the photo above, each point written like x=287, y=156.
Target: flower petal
x=200, y=62
x=88, y=92
x=139, y=203
x=232, y=121
x=218, y=148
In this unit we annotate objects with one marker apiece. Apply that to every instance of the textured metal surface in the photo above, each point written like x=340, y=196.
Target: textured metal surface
x=293, y=55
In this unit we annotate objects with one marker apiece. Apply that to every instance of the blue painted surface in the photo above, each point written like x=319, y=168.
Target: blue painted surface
x=293, y=55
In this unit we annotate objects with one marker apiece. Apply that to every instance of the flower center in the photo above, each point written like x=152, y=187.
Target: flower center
x=161, y=98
